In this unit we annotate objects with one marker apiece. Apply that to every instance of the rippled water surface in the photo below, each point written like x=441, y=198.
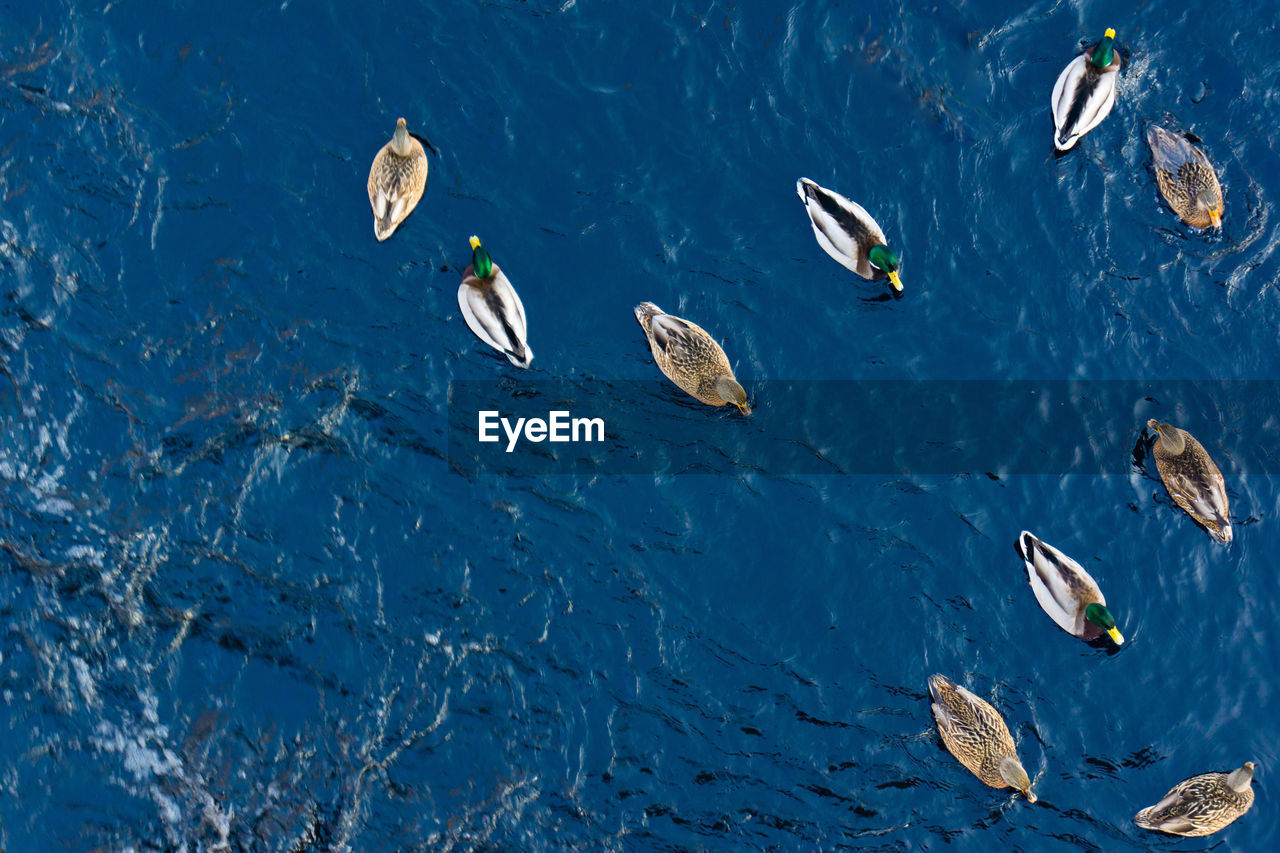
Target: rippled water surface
x=247, y=603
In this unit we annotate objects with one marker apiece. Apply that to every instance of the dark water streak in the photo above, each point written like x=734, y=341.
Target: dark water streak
x=925, y=428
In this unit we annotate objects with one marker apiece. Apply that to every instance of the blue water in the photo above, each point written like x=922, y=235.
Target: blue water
x=247, y=604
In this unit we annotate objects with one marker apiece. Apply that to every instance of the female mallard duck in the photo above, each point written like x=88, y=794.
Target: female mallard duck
x=492, y=308
x=1066, y=591
x=1186, y=179
x=975, y=733
x=396, y=181
x=1085, y=92
x=691, y=358
x=847, y=233
x=1201, y=805
x=1192, y=479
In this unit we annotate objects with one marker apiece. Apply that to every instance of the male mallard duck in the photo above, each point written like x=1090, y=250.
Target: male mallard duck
x=975, y=733
x=1066, y=591
x=396, y=181
x=1085, y=92
x=847, y=233
x=1193, y=481
x=691, y=358
x=1201, y=805
x=492, y=308
x=1186, y=179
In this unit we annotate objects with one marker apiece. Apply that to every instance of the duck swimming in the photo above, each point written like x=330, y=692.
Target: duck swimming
x=1085, y=92
x=1186, y=178
x=976, y=734
x=691, y=358
x=396, y=181
x=1192, y=479
x=1201, y=805
x=847, y=233
x=1066, y=591
x=492, y=307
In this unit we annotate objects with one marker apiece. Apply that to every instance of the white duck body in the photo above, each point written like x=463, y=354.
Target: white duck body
x=493, y=310
x=1062, y=587
x=1082, y=97
x=845, y=231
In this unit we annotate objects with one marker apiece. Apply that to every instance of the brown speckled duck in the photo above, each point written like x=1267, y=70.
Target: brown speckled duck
x=976, y=734
x=1201, y=805
x=396, y=181
x=1186, y=179
x=691, y=358
x=1192, y=479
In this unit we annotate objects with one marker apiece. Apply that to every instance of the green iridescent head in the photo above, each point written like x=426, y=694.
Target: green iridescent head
x=481, y=263
x=1105, y=51
x=886, y=260
x=1098, y=614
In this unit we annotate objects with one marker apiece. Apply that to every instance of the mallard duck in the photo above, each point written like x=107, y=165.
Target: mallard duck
x=396, y=181
x=847, y=233
x=1201, y=805
x=975, y=733
x=691, y=358
x=1085, y=92
x=1192, y=479
x=492, y=308
x=1186, y=178
x=1066, y=591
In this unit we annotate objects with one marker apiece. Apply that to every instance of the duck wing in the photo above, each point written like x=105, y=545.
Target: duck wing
x=1170, y=151
x=682, y=341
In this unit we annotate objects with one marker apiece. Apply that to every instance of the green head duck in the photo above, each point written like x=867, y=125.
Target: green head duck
x=481, y=263
x=885, y=259
x=1105, y=51
x=1098, y=614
